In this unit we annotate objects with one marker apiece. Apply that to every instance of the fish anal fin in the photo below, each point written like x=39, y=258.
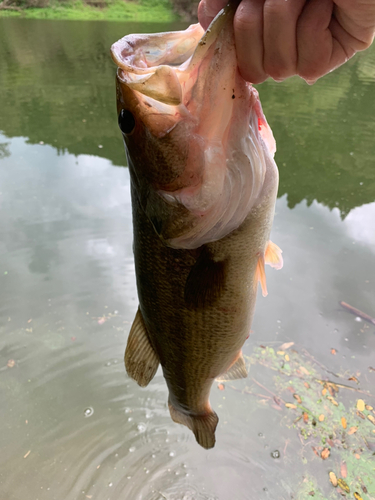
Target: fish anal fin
x=141, y=361
x=260, y=275
x=206, y=281
x=203, y=425
x=236, y=371
x=273, y=256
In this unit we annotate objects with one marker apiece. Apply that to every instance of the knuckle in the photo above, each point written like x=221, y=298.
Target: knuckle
x=278, y=70
x=253, y=75
x=279, y=7
x=311, y=72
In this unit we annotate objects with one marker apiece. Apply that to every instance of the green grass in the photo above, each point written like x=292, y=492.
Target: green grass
x=115, y=10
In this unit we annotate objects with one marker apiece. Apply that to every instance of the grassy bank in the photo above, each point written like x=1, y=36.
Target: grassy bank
x=116, y=10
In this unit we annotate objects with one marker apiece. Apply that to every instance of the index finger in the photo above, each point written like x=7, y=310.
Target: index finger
x=207, y=10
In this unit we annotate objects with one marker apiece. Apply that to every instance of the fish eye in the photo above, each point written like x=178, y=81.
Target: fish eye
x=126, y=121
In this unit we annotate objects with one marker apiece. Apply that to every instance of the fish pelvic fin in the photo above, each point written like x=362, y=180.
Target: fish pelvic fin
x=273, y=255
x=141, y=361
x=236, y=371
x=203, y=426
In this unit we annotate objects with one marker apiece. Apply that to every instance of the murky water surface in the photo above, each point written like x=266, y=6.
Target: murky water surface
x=72, y=424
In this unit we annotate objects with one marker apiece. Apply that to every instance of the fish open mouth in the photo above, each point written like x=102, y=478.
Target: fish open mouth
x=189, y=80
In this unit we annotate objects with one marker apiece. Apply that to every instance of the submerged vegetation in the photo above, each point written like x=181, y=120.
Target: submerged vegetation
x=141, y=10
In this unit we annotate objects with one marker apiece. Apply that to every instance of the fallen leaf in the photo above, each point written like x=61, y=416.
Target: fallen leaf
x=357, y=456
x=343, y=422
x=352, y=430
x=287, y=358
x=343, y=485
x=324, y=391
x=325, y=453
x=354, y=379
x=306, y=385
x=333, y=388
x=286, y=346
x=11, y=363
x=280, y=353
x=101, y=320
x=360, y=405
x=30, y=320
x=344, y=470
x=357, y=496
x=221, y=387
x=312, y=493
x=291, y=406
x=333, y=401
x=299, y=400
x=321, y=418
x=305, y=417
x=331, y=443
x=27, y=454
x=371, y=418
x=303, y=370
x=369, y=408
x=333, y=479
x=333, y=351
x=360, y=414
x=315, y=451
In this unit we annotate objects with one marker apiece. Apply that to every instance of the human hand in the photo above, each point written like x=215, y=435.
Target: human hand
x=282, y=38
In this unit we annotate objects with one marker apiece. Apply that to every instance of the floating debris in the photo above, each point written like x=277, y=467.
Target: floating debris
x=357, y=312
x=88, y=412
x=333, y=479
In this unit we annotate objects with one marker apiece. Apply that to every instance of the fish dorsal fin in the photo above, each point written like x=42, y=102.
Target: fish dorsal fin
x=203, y=426
x=141, y=361
x=273, y=256
x=236, y=371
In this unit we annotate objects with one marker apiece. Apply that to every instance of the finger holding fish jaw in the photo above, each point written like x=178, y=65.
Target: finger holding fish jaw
x=282, y=38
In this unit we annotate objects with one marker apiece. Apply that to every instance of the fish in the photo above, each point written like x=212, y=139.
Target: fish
x=203, y=186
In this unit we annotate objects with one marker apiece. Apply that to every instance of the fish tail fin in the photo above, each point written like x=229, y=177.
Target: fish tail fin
x=203, y=426
x=141, y=361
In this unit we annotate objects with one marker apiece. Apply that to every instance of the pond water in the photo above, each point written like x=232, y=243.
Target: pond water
x=73, y=425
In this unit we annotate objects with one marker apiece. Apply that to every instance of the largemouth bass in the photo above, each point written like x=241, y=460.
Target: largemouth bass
x=203, y=186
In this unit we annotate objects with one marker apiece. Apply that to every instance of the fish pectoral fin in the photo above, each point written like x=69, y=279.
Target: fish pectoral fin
x=203, y=426
x=206, y=281
x=273, y=256
x=236, y=371
x=141, y=360
x=260, y=275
